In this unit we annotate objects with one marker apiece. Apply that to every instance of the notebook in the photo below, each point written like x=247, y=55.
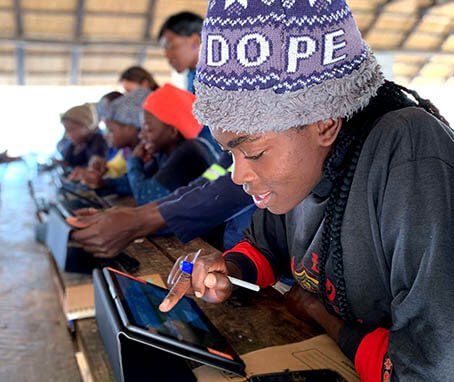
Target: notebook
x=80, y=299
x=79, y=302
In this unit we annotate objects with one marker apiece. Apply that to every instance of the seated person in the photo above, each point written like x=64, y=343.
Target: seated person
x=169, y=155
x=86, y=140
x=354, y=189
x=122, y=118
x=210, y=203
x=114, y=165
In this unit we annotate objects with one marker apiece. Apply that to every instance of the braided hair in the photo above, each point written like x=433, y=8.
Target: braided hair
x=348, y=146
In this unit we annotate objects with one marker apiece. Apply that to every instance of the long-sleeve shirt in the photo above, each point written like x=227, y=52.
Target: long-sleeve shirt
x=210, y=200
x=80, y=156
x=164, y=174
x=397, y=238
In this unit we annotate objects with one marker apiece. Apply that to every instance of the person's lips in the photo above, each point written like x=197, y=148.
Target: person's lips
x=262, y=200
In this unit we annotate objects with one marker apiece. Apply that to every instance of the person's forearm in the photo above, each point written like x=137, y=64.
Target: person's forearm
x=148, y=220
x=233, y=270
x=327, y=321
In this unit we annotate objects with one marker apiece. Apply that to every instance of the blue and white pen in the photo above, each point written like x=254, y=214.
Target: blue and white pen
x=186, y=266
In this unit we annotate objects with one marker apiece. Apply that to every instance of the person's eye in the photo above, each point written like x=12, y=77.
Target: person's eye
x=254, y=157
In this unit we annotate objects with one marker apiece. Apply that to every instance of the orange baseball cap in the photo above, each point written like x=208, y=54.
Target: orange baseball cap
x=173, y=106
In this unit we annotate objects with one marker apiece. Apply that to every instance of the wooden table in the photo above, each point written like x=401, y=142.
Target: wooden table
x=249, y=320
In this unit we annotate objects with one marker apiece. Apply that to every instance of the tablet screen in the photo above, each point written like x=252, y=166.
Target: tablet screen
x=185, y=323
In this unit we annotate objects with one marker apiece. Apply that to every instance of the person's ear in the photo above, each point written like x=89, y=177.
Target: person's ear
x=195, y=41
x=328, y=131
x=145, y=83
x=174, y=132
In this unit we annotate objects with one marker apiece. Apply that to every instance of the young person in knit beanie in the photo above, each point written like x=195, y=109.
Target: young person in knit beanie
x=122, y=118
x=113, y=165
x=167, y=154
x=81, y=129
x=353, y=179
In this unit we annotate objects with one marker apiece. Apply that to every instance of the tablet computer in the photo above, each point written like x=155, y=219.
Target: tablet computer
x=98, y=203
x=76, y=189
x=184, y=331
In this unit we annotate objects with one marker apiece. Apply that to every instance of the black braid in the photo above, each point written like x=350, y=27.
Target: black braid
x=350, y=141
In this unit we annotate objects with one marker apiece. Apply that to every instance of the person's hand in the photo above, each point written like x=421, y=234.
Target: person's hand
x=308, y=307
x=75, y=222
x=98, y=164
x=92, y=179
x=141, y=151
x=208, y=280
x=86, y=212
x=77, y=174
x=59, y=161
x=107, y=233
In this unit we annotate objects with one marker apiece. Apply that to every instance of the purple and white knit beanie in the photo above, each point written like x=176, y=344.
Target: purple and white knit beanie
x=269, y=65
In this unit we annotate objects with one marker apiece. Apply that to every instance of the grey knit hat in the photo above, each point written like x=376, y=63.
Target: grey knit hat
x=128, y=108
x=269, y=65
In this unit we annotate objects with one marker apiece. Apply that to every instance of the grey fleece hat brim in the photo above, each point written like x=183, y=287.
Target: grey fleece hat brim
x=258, y=111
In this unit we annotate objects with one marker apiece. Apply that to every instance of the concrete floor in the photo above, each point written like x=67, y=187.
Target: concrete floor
x=34, y=342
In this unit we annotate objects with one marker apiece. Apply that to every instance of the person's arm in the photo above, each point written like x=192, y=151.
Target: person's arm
x=196, y=209
x=263, y=254
x=244, y=261
x=144, y=189
x=417, y=231
x=118, y=186
x=68, y=153
x=186, y=163
x=106, y=233
x=105, y=238
x=215, y=171
x=97, y=147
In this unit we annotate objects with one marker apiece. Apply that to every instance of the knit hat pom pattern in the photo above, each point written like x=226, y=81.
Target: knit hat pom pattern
x=269, y=65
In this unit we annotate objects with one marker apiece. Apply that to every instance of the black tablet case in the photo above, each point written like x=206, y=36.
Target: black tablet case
x=131, y=356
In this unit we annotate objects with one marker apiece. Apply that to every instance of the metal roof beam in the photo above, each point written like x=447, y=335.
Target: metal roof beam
x=18, y=17
x=422, y=12
x=85, y=74
x=146, y=32
x=155, y=48
x=132, y=44
x=75, y=65
x=378, y=12
x=67, y=12
x=20, y=64
x=428, y=59
x=20, y=54
x=77, y=50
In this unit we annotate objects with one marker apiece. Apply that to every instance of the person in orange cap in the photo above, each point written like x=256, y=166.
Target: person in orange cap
x=169, y=154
